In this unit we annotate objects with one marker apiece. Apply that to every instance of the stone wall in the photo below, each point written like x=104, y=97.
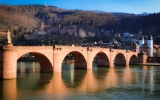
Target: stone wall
x=153, y=59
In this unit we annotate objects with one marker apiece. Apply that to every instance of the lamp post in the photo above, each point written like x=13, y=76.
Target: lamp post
x=60, y=42
x=129, y=42
x=53, y=42
x=42, y=42
x=49, y=43
x=110, y=47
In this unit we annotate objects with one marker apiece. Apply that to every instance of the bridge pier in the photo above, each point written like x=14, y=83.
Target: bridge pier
x=111, y=61
x=89, y=61
x=8, y=63
x=57, y=62
x=127, y=63
x=142, y=57
x=127, y=58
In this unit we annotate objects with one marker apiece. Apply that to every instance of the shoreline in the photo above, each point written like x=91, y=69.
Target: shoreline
x=148, y=64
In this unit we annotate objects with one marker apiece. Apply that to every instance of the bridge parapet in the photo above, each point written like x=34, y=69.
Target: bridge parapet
x=121, y=50
x=57, y=47
x=89, y=49
x=117, y=50
x=70, y=47
x=111, y=50
x=129, y=51
x=6, y=47
x=33, y=47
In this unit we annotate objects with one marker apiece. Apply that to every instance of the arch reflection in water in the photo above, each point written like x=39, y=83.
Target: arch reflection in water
x=47, y=84
x=83, y=80
x=73, y=82
x=71, y=77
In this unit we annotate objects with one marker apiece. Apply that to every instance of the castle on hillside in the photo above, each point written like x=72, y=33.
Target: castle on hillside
x=62, y=30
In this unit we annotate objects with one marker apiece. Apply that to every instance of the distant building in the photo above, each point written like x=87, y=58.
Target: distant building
x=82, y=33
x=130, y=37
x=130, y=46
x=53, y=29
x=40, y=31
x=126, y=34
x=146, y=45
x=58, y=29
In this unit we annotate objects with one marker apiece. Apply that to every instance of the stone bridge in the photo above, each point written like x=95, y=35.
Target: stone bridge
x=51, y=57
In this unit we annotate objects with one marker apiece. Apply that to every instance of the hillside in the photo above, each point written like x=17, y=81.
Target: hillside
x=25, y=19
x=29, y=16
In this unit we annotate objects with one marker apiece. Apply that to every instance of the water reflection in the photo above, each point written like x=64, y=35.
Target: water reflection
x=124, y=81
x=8, y=90
x=144, y=74
x=87, y=80
x=72, y=78
x=56, y=85
x=127, y=77
x=111, y=80
x=152, y=79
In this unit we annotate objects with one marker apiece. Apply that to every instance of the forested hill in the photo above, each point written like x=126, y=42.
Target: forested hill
x=27, y=18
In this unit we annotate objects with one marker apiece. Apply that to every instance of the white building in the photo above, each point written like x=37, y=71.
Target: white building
x=146, y=45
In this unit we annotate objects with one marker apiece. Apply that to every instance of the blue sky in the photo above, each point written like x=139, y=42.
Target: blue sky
x=128, y=6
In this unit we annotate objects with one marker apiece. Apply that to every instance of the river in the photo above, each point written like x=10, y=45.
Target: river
x=133, y=82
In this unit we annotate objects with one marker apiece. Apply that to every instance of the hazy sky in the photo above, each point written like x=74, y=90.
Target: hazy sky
x=128, y=6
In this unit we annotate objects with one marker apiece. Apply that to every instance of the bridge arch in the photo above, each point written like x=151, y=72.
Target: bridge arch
x=101, y=59
x=44, y=61
x=120, y=59
x=133, y=59
x=80, y=61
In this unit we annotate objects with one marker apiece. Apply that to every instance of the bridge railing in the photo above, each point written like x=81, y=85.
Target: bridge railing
x=63, y=47
x=33, y=47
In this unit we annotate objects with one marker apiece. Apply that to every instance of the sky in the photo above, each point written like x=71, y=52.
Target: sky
x=126, y=6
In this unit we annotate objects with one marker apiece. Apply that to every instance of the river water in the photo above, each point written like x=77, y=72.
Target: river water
x=119, y=83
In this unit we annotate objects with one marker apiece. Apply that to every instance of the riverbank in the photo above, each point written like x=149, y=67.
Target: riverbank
x=149, y=64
